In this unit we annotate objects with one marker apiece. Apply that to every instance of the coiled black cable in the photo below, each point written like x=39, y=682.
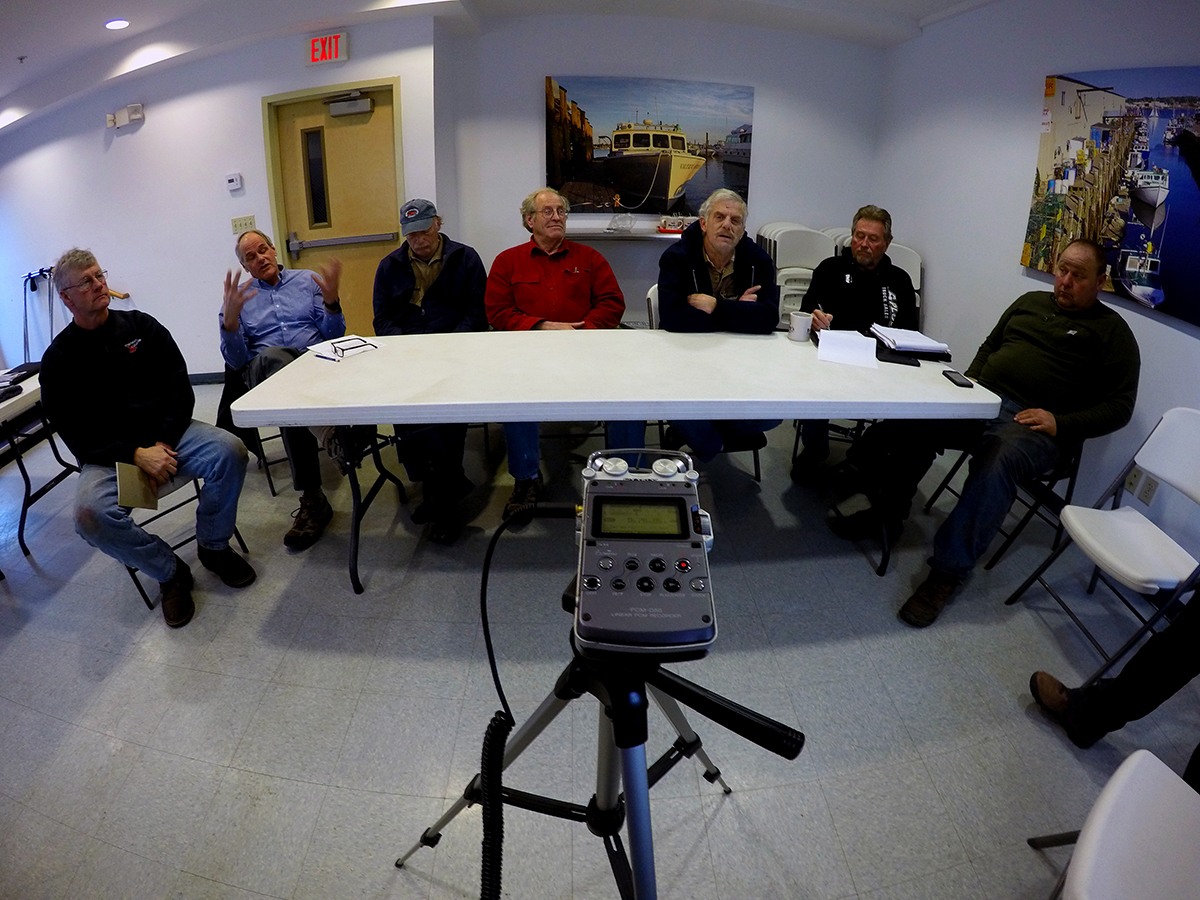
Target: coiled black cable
x=491, y=762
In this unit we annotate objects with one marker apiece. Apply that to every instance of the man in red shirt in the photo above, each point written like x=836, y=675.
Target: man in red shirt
x=550, y=283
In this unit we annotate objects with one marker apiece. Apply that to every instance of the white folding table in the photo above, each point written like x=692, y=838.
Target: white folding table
x=617, y=374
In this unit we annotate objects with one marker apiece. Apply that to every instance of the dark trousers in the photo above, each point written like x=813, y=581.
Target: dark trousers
x=1160, y=667
x=300, y=444
x=895, y=455
x=434, y=454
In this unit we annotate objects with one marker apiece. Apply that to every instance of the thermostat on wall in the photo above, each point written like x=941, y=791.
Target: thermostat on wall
x=233, y=181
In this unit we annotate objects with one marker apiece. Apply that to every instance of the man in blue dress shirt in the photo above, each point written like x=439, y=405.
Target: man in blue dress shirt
x=265, y=324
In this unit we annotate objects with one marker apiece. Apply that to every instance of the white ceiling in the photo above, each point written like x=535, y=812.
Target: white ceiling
x=57, y=36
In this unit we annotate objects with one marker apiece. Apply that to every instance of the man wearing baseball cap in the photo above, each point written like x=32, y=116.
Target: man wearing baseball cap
x=431, y=285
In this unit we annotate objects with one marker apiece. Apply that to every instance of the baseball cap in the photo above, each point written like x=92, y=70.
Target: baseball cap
x=416, y=215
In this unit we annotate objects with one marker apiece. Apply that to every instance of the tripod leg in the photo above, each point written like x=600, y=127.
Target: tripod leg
x=679, y=722
x=637, y=822
x=521, y=738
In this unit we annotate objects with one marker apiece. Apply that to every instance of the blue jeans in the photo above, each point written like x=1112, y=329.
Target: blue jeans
x=705, y=437
x=895, y=455
x=210, y=454
x=524, y=455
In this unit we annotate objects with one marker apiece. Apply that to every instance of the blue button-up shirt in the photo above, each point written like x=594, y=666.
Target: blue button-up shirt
x=291, y=313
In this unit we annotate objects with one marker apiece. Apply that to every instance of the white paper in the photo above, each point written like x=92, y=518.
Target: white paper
x=848, y=347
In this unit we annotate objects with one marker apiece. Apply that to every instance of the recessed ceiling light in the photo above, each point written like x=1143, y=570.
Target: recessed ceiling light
x=116, y=24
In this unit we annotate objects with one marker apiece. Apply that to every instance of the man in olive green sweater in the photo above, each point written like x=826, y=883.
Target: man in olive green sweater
x=1066, y=368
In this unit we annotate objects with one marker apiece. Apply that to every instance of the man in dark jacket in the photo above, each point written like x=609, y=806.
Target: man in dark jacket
x=1066, y=369
x=852, y=291
x=431, y=285
x=116, y=387
x=716, y=279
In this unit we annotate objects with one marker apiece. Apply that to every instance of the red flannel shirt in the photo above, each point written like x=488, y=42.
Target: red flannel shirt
x=575, y=283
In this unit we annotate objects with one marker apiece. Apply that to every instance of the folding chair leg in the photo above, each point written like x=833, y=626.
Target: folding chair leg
x=1012, y=536
x=958, y=464
x=1132, y=642
x=1037, y=573
x=757, y=468
x=138, y=584
x=1045, y=841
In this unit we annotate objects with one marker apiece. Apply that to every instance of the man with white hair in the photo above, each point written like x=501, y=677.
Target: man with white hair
x=545, y=284
x=714, y=278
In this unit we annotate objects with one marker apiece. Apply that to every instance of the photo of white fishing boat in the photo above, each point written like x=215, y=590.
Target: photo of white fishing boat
x=663, y=153
x=1137, y=276
x=651, y=161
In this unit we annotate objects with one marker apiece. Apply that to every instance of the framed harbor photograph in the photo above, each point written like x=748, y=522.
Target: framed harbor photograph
x=1119, y=162
x=646, y=145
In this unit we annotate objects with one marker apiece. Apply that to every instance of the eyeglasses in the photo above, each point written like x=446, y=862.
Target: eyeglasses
x=89, y=281
x=552, y=212
x=348, y=346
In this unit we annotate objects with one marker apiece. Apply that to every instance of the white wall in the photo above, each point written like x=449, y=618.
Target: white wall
x=151, y=202
x=957, y=151
x=815, y=115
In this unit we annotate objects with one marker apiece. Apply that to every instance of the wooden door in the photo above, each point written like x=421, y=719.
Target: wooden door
x=338, y=178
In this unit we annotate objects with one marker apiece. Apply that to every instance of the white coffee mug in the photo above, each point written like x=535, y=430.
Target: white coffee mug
x=799, y=326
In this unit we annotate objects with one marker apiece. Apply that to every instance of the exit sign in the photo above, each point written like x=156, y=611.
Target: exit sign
x=327, y=48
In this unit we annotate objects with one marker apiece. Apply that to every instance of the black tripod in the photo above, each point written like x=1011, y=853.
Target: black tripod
x=623, y=683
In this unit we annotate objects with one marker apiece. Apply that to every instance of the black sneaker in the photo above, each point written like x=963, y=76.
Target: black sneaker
x=427, y=510
x=863, y=525
x=311, y=518
x=228, y=566
x=808, y=468
x=445, y=530
x=525, y=496
x=175, y=596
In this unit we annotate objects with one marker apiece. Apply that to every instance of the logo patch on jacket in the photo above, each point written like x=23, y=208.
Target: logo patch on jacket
x=133, y=345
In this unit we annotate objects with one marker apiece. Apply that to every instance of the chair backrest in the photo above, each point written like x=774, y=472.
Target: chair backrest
x=652, y=307
x=1139, y=840
x=907, y=259
x=1172, y=452
x=802, y=248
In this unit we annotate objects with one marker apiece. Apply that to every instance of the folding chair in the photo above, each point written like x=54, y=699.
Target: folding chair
x=235, y=387
x=180, y=543
x=1128, y=548
x=1139, y=840
x=1039, y=496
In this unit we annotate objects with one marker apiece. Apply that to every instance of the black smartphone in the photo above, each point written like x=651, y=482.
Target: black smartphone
x=958, y=378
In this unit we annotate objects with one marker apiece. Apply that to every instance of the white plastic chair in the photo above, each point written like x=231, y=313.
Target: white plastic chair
x=652, y=306
x=840, y=236
x=801, y=247
x=1127, y=547
x=1138, y=841
x=909, y=260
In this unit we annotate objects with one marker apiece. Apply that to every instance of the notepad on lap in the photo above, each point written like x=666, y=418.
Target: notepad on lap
x=135, y=488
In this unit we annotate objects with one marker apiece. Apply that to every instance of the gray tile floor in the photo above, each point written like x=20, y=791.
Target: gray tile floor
x=295, y=738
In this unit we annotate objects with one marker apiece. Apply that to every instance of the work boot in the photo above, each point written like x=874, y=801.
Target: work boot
x=525, y=495
x=929, y=599
x=175, y=596
x=311, y=518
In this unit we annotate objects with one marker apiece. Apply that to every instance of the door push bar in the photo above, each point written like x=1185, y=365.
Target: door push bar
x=295, y=246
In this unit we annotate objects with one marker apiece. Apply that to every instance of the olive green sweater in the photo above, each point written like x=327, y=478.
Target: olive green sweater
x=1081, y=366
